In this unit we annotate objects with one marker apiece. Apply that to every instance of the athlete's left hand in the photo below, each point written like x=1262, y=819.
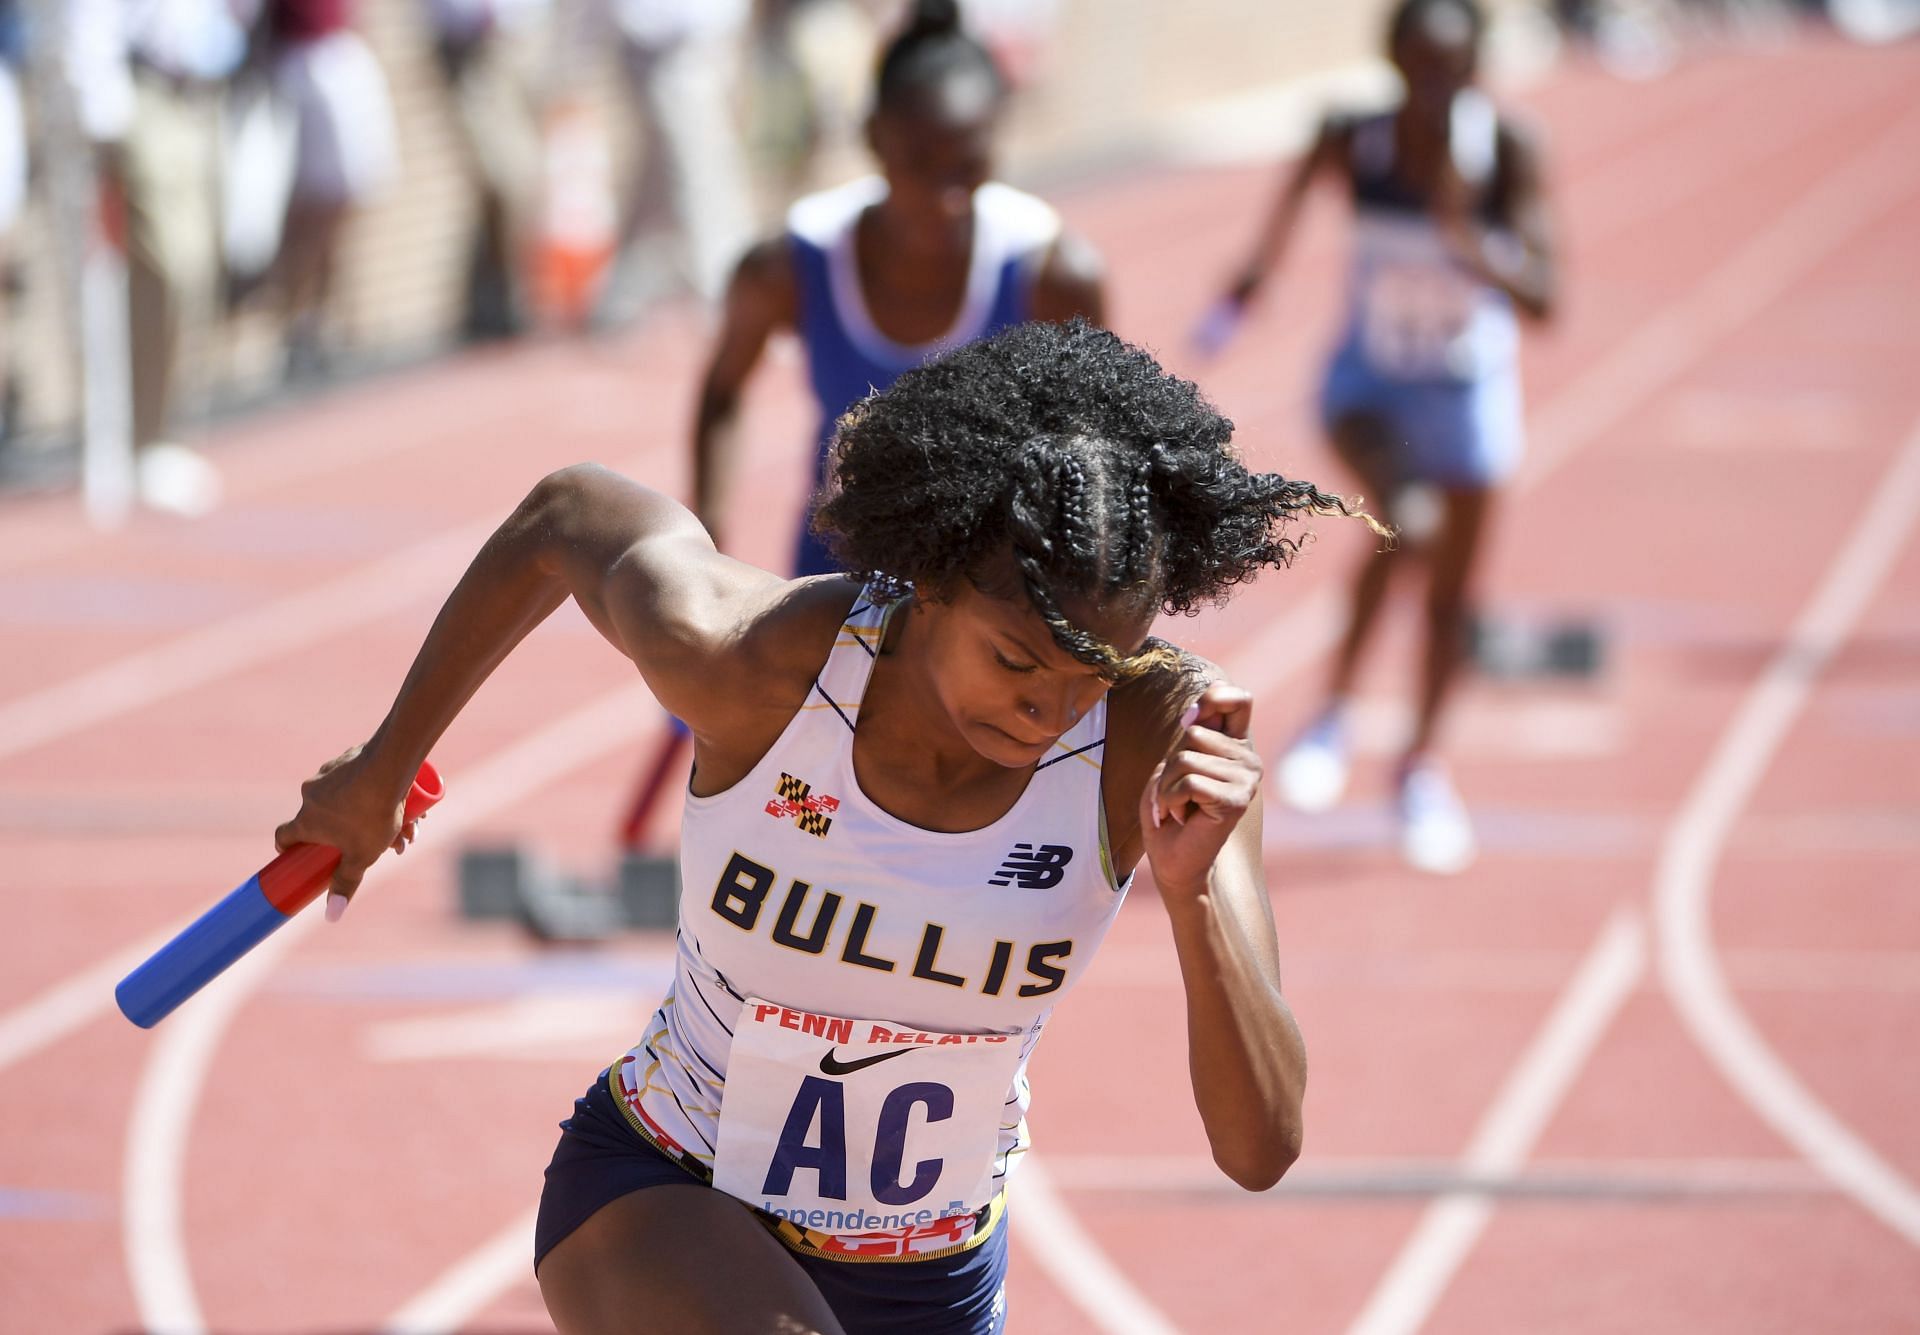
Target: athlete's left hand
x=1196, y=796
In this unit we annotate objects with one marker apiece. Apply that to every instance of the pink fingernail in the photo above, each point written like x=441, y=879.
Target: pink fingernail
x=336, y=905
x=1186, y=719
x=1156, y=813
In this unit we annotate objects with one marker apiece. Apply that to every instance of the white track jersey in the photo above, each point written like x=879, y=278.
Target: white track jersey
x=1416, y=313
x=855, y=998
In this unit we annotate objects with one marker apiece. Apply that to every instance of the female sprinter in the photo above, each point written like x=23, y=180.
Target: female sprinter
x=880, y=275
x=1422, y=398
x=919, y=796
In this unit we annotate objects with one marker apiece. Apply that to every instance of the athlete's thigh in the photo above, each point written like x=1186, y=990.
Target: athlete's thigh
x=679, y=1261
x=1469, y=513
x=1365, y=443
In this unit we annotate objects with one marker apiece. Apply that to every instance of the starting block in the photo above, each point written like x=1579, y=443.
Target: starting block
x=1510, y=649
x=515, y=884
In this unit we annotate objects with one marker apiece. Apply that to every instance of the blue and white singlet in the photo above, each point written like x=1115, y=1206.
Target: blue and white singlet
x=847, y=355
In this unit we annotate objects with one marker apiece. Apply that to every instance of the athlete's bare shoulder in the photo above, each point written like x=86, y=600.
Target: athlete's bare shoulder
x=788, y=631
x=764, y=660
x=1072, y=281
x=764, y=282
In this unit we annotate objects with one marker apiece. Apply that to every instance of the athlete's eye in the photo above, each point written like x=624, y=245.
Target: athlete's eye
x=1010, y=665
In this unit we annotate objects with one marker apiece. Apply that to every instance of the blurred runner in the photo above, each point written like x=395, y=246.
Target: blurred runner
x=1422, y=396
x=887, y=272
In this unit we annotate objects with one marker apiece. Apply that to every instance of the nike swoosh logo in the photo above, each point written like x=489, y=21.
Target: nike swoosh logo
x=832, y=1065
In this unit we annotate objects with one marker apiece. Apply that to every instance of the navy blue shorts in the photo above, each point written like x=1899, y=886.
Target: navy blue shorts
x=601, y=1158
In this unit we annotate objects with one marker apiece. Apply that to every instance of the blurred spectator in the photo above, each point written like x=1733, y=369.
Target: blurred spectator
x=487, y=50
x=13, y=192
x=344, y=151
x=688, y=213
x=813, y=67
x=147, y=76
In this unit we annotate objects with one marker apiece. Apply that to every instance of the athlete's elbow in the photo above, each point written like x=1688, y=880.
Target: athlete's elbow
x=1260, y=1164
x=1540, y=301
x=559, y=495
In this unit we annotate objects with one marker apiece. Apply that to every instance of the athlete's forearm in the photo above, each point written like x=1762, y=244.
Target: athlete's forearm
x=1271, y=246
x=715, y=447
x=1281, y=218
x=1245, y=1055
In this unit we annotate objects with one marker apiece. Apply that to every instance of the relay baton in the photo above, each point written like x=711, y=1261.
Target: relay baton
x=241, y=921
x=1217, y=327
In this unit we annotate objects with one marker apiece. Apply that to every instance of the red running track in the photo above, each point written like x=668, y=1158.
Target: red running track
x=1649, y=1066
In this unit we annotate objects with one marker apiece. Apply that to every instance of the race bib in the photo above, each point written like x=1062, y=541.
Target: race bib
x=1416, y=319
x=860, y=1126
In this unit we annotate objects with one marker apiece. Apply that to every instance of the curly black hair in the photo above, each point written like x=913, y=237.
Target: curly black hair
x=1102, y=475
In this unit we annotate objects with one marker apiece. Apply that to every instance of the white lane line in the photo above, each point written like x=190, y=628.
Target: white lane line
x=466, y=1288
x=1834, y=209
x=69, y=1005
x=1451, y=1225
x=1683, y=879
x=1196, y=1174
x=176, y=1065
x=1049, y=1232
x=152, y=1235
x=1654, y=356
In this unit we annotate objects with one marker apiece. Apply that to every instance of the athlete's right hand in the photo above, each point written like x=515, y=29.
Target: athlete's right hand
x=351, y=805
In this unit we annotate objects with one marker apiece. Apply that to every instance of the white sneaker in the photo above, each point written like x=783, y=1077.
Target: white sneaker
x=177, y=480
x=1435, y=834
x=1313, y=773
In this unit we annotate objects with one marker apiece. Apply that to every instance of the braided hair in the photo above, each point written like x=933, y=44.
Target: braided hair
x=1103, y=476
x=930, y=49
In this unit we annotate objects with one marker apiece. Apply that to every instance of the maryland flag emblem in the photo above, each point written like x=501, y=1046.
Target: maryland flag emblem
x=812, y=813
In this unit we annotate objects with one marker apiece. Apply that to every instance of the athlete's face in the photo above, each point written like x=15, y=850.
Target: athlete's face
x=1436, y=58
x=1000, y=678
x=935, y=152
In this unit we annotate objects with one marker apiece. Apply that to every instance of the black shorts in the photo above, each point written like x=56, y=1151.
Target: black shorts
x=601, y=1158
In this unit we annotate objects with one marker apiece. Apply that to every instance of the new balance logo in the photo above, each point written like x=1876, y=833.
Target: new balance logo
x=812, y=812
x=1039, y=868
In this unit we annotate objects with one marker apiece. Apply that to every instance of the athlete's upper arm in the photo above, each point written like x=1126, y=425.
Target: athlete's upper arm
x=650, y=580
x=761, y=297
x=1331, y=145
x=1073, y=281
x=1523, y=203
